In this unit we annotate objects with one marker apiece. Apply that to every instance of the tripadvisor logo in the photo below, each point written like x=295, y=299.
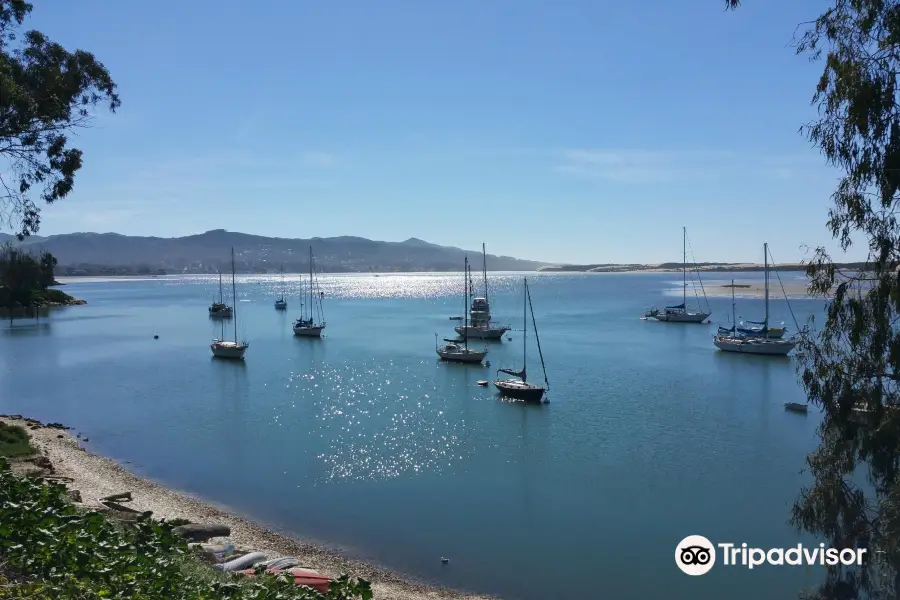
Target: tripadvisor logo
x=696, y=555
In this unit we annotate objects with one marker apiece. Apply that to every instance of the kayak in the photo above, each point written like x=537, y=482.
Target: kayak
x=307, y=577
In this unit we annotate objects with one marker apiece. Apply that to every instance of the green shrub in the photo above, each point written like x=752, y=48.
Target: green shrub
x=64, y=553
x=14, y=441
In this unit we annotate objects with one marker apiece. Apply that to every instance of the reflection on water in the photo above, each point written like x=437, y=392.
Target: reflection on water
x=365, y=433
x=376, y=422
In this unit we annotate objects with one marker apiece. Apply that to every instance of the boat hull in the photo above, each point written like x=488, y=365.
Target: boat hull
x=796, y=407
x=221, y=314
x=229, y=350
x=280, y=305
x=518, y=390
x=680, y=317
x=313, y=331
x=462, y=356
x=481, y=333
x=775, y=333
x=758, y=346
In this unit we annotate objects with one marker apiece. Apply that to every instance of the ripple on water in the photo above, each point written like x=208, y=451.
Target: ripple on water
x=375, y=425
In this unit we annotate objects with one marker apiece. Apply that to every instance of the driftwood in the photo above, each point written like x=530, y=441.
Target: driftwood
x=194, y=532
x=123, y=497
x=118, y=511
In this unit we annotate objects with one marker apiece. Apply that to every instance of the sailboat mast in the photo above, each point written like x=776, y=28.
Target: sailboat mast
x=537, y=338
x=733, y=313
x=466, y=303
x=310, y=286
x=234, y=294
x=221, y=297
x=484, y=270
x=524, y=328
x=766, y=262
x=684, y=267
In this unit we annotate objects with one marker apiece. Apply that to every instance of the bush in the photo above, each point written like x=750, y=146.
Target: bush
x=14, y=441
x=54, y=550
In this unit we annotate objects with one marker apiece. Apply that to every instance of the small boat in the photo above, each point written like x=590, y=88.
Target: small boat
x=453, y=351
x=220, y=310
x=523, y=390
x=796, y=407
x=232, y=349
x=482, y=382
x=679, y=313
x=301, y=575
x=281, y=303
x=458, y=350
x=480, y=312
x=312, y=321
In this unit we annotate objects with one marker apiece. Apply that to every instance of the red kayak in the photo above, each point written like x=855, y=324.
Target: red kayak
x=301, y=576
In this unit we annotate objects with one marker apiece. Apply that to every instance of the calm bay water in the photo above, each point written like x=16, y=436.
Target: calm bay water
x=364, y=441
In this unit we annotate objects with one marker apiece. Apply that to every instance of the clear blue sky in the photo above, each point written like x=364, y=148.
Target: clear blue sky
x=571, y=131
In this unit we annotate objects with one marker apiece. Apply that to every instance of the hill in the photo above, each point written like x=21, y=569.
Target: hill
x=113, y=253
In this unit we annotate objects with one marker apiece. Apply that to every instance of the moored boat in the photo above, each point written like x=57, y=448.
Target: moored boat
x=458, y=350
x=521, y=388
x=680, y=313
x=220, y=310
x=281, y=303
x=480, y=313
x=732, y=340
x=232, y=349
x=312, y=320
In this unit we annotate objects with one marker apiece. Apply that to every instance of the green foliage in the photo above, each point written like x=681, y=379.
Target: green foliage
x=45, y=91
x=14, y=441
x=24, y=279
x=58, y=551
x=852, y=368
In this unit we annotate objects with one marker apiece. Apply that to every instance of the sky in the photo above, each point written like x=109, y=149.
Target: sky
x=577, y=131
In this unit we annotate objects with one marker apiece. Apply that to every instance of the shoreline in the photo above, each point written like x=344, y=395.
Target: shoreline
x=96, y=476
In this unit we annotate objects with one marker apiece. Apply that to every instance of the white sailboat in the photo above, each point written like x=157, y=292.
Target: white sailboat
x=733, y=341
x=312, y=320
x=281, y=303
x=762, y=328
x=480, y=313
x=220, y=310
x=232, y=349
x=453, y=350
x=680, y=313
x=521, y=389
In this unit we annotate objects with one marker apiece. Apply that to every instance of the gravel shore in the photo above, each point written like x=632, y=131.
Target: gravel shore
x=96, y=477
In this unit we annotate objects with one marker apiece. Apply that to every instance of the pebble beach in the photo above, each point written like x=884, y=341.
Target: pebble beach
x=96, y=477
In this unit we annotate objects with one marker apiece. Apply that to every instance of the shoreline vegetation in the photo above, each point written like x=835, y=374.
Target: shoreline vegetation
x=59, y=456
x=27, y=281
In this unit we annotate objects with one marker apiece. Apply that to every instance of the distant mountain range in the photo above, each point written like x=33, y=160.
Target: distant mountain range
x=115, y=254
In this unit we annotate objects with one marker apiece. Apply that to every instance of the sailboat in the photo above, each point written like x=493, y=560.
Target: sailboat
x=312, y=321
x=281, y=303
x=731, y=340
x=521, y=389
x=454, y=351
x=222, y=348
x=480, y=313
x=761, y=328
x=679, y=314
x=219, y=309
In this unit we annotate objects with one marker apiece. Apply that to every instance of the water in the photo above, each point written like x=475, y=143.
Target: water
x=364, y=441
